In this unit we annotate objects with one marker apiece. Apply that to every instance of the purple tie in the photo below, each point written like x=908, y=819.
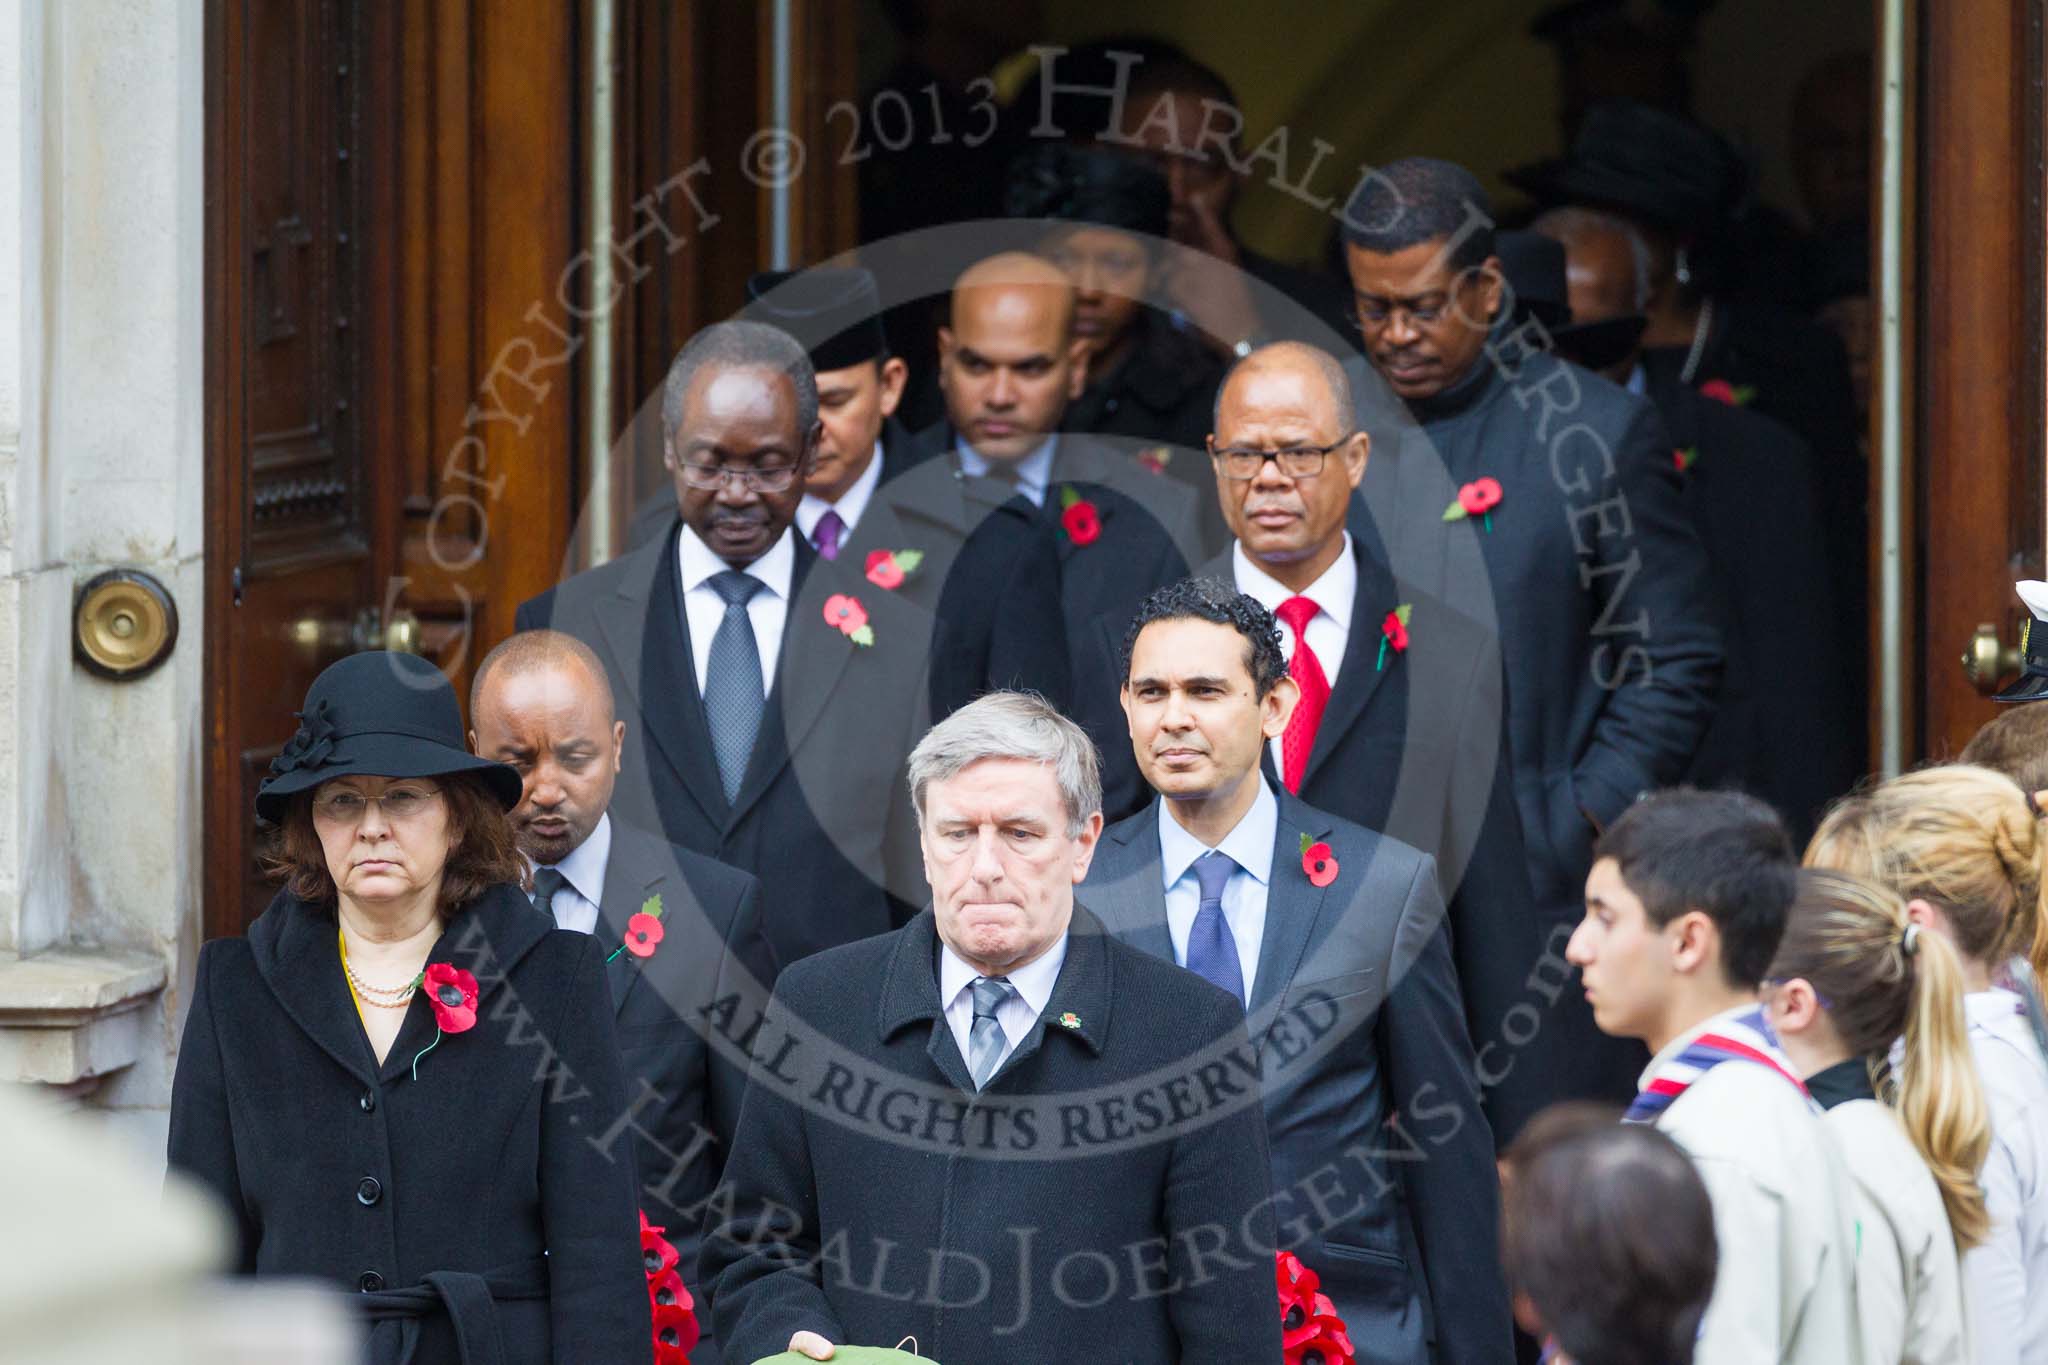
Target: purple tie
x=825, y=535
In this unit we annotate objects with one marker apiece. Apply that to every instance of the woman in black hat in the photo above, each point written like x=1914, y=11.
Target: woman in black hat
x=401, y=1080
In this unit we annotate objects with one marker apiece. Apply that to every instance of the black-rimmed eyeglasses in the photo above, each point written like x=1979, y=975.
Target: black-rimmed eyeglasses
x=1296, y=462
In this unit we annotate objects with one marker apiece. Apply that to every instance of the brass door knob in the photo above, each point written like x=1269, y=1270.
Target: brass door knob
x=1989, y=660
x=366, y=630
x=123, y=624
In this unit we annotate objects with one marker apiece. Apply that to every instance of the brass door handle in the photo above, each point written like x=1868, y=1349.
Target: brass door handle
x=366, y=630
x=1989, y=660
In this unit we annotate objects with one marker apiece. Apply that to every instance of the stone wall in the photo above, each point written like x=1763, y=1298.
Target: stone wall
x=101, y=466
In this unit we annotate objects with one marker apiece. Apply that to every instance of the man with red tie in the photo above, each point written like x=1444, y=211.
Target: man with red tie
x=1400, y=722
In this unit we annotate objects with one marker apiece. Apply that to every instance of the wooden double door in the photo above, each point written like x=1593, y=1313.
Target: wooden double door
x=400, y=314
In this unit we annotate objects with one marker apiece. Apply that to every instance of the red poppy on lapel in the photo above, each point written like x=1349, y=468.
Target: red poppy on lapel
x=1475, y=499
x=643, y=933
x=451, y=992
x=1684, y=457
x=1080, y=517
x=1155, y=458
x=1394, y=634
x=844, y=612
x=888, y=568
x=1318, y=861
x=1734, y=395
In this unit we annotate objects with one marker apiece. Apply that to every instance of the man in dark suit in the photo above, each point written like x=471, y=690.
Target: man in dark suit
x=1009, y=363
x=986, y=569
x=771, y=695
x=992, y=1133
x=1285, y=906
x=540, y=703
x=1520, y=488
x=1755, y=494
x=1401, y=726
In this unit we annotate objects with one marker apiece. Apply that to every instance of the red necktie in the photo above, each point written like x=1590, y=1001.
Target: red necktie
x=1306, y=669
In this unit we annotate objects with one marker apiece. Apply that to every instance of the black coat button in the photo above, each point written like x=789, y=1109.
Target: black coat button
x=369, y=1282
x=368, y=1102
x=368, y=1191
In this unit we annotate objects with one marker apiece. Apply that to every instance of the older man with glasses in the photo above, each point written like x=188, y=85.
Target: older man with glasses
x=771, y=696
x=1399, y=727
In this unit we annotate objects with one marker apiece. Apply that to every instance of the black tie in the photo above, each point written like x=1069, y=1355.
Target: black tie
x=546, y=882
x=733, y=695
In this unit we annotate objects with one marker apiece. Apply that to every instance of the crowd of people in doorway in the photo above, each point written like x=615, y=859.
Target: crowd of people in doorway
x=1237, y=842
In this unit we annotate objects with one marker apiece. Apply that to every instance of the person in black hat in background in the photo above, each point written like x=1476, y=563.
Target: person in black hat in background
x=988, y=574
x=1753, y=492
x=389, y=1081
x=1686, y=190
x=1148, y=381
x=1520, y=488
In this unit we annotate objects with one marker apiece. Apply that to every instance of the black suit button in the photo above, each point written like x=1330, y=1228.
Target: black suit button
x=368, y=1191
x=368, y=1102
x=369, y=1282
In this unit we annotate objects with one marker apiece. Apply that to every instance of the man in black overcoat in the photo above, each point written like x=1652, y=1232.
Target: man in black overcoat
x=540, y=703
x=1525, y=490
x=770, y=696
x=1409, y=741
x=1753, y=489
x=1009, y=363
x=986, y=570
x=999, y=1130
x=1223, y=874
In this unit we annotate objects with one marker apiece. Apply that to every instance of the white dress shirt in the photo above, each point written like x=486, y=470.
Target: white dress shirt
x=1020, y=1010
x=1250, y=845
x=1034, y=471
x=576, y=902
x=1329, y=630
x=1784, y=1214
x=2007, y=1277
x=851, y=504
x=703, y=608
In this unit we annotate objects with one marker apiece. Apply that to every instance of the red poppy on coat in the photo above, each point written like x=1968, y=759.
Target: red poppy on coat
x=452, y=993
x=1320, y=863
x=643, y=932
x=1395, y=631
x=882, y=569
x=1082, y=522
x=845, y=612
x=1480, y=496
x=1721, y=391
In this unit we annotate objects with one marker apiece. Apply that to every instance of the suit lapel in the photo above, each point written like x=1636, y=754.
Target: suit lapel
x=1132, y=900
x=812, y=658
x=487, y=940
x=644, y=628
x=627, y=885
x=1293, y=905
x=1359, y=675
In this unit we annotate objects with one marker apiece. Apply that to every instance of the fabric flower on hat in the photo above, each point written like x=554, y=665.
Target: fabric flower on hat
x=844, y=612
x=1080, y=518
x=311, y=745
x=888, y=568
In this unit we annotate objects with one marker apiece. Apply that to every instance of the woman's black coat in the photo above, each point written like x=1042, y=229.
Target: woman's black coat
x=337, y=1168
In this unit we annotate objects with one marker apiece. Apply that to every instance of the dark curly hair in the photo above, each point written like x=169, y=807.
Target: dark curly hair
x=1080, y=185
x=482, y=852
x=1212, y=600
x=1421, y=199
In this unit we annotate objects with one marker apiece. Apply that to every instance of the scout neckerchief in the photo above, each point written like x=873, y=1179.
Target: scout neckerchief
x=1745, y=1038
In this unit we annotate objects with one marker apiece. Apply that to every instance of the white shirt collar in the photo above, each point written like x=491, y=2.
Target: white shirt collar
x=774, y=569
x=1333, y=593
x=1249, y=843
x=1034, y=471
x=1033, y=982
x=585, y=866
x=851, y=504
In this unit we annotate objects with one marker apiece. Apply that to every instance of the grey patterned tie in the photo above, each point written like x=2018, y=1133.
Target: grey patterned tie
x=985, y=1040
x=732, y=682
x=546, y=882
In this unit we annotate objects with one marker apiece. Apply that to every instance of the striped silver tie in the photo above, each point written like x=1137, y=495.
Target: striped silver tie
x=985, y=1040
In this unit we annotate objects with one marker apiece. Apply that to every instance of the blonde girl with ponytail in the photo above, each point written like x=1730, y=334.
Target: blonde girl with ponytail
x=1962, y=847
x=1853, y=974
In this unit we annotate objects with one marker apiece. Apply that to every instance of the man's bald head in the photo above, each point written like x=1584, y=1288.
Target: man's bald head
x=1289, y=356
x=1009, y=362
x=541, y=702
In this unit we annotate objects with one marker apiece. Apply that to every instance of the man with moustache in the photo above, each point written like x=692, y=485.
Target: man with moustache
x=1009, y=363
x=1277, y=903
x=1400, y=724
x=1754, y=492
x=541, y=703
x=1518, y=486
x=1016, y=1223
x=771, y=695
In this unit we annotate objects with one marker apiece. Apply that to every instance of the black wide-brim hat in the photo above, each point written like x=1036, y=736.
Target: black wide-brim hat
x=1644, y=162
x=378, y=714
